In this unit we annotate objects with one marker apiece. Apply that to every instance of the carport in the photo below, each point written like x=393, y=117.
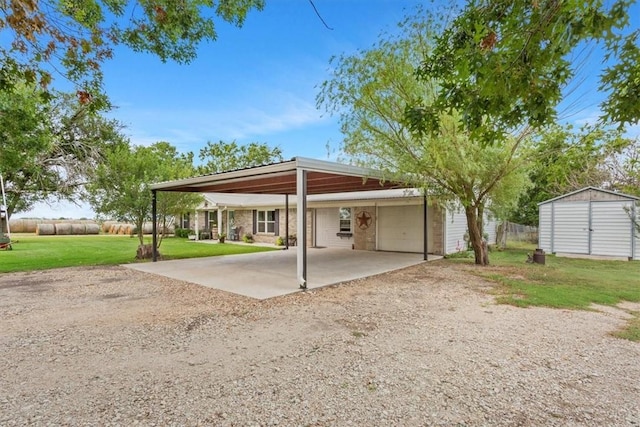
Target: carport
x=300, y=176
x=270, y=274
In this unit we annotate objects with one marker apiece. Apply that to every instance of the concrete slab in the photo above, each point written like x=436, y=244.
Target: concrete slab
x=269, y=274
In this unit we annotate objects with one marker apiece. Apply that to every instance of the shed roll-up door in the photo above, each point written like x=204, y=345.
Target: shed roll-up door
x=571, y=227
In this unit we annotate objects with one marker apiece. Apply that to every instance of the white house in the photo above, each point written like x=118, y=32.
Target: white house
x=591, y=222
x=385, y=220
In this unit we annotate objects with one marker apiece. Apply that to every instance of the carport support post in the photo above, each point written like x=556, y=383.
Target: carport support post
x=154, y=226
x=426, y=227
x=301, y=256
x=286, y=221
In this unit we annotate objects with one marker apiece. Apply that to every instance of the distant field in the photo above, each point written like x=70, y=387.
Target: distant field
x=44, y=252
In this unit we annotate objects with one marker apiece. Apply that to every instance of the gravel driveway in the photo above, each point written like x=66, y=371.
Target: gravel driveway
x=421, y=346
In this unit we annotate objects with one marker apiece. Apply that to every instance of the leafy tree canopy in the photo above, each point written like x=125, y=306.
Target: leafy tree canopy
x=225, y=156
x=369, y=91
x=119, y=187
x=503, y=64
x=74, y=37
x=48, y=145
x=566, y=159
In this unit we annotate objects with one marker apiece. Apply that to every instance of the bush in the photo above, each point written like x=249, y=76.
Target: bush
x=183, y=232
x=280, y=241
x=247, y=238
x=461, y=254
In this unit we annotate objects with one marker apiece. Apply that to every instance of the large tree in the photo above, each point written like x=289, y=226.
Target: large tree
x=503, y=64
x=370, y=90
x=75, y=37
x=120, y=184
x=566, y=159
x=48, y=145
x=225, y=156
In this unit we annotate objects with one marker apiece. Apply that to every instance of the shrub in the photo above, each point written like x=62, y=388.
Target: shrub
x=280, y=241
x=183, y=232
x=247, y=238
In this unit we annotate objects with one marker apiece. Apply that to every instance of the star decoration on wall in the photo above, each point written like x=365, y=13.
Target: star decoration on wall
x=364, y=220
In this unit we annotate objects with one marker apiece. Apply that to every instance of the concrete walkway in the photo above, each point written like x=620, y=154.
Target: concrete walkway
x=269, y=274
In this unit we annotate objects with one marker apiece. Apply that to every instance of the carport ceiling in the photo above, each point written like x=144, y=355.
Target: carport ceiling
x=281, y=178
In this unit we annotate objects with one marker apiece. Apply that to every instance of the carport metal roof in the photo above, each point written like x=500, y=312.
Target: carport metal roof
x=300, y=176
x=280, y=178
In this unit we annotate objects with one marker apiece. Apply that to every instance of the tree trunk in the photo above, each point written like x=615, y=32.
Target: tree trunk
x=475, y=236
x=145, y=251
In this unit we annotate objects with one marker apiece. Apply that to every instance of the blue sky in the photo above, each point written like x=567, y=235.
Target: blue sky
x=257, y=83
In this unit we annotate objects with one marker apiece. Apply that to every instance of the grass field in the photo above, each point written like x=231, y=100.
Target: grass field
x=44, y=252
x=563, y=282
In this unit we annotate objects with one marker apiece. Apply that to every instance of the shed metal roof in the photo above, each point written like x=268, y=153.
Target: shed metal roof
x=626, y=196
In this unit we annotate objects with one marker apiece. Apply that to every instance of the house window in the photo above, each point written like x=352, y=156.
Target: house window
x=266, y=221
x=211, y=219
x=345, y=220
x=184, y=220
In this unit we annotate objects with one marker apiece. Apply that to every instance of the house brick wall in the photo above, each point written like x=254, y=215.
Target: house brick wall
x=437, y=228
x=244, y=220
x=364, y=238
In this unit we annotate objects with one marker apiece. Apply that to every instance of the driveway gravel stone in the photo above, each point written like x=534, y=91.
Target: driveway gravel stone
x=426, y=345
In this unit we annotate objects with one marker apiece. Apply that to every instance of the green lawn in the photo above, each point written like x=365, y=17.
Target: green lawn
x=562, y=282
x=44, y=252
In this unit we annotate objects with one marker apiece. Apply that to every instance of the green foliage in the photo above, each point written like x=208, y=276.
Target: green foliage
x=32, y=253
x=223, y=156
x=48, y=145
x=247, y=238
x=279, y=241
x=503, y=64
x=566, y=159
x=369, y=91
x=76, y=37
x=183, y=233
x=119, y=187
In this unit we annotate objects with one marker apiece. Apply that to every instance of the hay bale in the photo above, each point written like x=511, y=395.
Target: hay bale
x=106, y=226
x=147, y=228
x=63, y=229
x=93, y=229
x=17, y=225
x=45, y=230
x=78, y=228
x=114, y=229
x=29, y=226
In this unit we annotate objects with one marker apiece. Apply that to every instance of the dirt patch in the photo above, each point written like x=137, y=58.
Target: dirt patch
x=424, y=345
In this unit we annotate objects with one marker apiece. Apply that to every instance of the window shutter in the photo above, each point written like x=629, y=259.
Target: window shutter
x=276, y=226
x=255, y=221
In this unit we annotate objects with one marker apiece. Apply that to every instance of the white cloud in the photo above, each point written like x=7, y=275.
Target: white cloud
x=188, y=128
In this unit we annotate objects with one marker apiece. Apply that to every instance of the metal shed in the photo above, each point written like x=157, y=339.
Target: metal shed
x=592, y=222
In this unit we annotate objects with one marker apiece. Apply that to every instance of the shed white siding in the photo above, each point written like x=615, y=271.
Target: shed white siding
x=545, y=227
x=327, y=222
x=590, y=221
x=571, y=227
x=611, y=233
x=636, y=252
